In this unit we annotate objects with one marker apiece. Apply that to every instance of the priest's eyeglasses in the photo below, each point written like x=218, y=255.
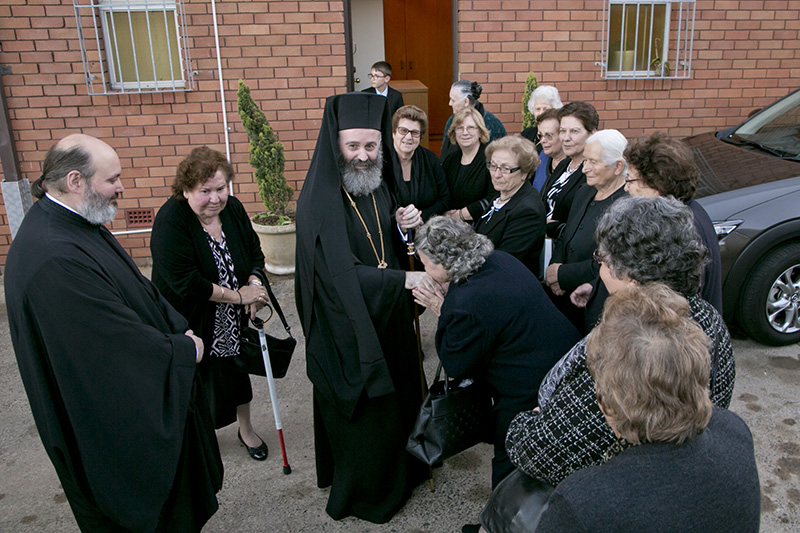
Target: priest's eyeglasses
x=505, y=171
x=403, y=132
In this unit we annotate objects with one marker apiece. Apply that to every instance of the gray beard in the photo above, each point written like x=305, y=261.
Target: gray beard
x=96, y=209
x=361, y=182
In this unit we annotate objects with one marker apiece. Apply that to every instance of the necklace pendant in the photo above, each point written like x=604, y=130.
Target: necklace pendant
x=382, y=264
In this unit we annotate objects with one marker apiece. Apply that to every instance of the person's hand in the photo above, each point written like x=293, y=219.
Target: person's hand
x=580, y=296
x=551, y=279
x=453, y=213
x=254, y=298
x=198, y=344
x=408, y=217
x=422, y=279
x=431, y=299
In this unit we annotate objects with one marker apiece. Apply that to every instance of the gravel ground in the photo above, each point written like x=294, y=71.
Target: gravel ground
x=257, y=496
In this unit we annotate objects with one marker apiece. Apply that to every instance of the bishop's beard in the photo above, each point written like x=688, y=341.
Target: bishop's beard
x=361, y=181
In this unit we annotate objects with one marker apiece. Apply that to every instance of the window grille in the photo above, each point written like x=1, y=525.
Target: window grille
x=647, y=39
x=133, y=46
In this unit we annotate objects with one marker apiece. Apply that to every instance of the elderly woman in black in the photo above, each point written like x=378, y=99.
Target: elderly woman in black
x=468, y=178
x=515, y=220
x=572, y=264
x=676, y=458
x=464, y=94
x=419, y=186
x=496, y=325
x=661, y=165
x=207, y=262
x=640, y=240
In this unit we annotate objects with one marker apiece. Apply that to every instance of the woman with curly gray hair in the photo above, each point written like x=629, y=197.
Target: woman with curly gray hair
x=496, y=325
x=640, y=240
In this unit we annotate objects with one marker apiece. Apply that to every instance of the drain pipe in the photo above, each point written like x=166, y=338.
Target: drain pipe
x=221, y=88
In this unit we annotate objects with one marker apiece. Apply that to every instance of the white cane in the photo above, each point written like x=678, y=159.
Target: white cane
x=259, y=324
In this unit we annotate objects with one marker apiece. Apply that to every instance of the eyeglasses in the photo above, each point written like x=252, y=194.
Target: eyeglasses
x=505, y=171
x=631, y=180
x=468, y=129
x=548, y=136
x=375, y=76
x=404, y=131
x=598, y=257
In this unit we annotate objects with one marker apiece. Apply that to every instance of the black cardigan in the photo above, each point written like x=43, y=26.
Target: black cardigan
x=518, y=228
x=427, y=189
x=564, y=198
x=471, y=188
x=184, y=266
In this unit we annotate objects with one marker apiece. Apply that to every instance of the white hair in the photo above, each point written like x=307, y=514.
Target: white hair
x=613, y=144
x=547, y=93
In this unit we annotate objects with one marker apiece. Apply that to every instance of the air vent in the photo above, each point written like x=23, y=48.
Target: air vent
x=139, y=218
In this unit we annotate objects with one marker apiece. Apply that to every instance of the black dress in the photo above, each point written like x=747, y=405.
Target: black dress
x=470, y=185
x=427, y=189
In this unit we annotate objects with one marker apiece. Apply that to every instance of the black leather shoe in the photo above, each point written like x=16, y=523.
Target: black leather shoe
x=260, y=453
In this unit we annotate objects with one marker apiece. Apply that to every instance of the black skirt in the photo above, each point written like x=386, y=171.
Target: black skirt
x=225, y=389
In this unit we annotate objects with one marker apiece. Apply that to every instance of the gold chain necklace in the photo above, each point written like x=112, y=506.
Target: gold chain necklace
x=381, y=258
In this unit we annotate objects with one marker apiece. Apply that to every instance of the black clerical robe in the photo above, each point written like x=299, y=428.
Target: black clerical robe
x=110, y=378
x=360, y=347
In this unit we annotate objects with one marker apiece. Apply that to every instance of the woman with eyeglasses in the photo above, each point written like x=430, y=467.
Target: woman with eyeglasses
x=465, y=169
x=577, y=121
x=464, y=94
x=514, y=221
x=550, y=142
x=419, y=186
x=542, y=98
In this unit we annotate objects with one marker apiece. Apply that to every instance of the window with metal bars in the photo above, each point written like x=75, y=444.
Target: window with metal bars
x=133, y=46
x=647, y=39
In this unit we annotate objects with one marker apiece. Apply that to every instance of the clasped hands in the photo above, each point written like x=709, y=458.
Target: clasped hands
x=427, y=291
x=408, y=217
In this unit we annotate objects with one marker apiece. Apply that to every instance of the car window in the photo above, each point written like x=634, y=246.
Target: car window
x=776, y=129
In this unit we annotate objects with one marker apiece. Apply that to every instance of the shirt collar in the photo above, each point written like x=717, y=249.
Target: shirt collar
x=62, y=204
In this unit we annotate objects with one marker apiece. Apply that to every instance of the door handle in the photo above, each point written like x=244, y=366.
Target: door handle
x=357, y=80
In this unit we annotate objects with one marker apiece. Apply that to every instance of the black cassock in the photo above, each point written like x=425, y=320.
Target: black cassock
x=110, y=378
x=360, y=347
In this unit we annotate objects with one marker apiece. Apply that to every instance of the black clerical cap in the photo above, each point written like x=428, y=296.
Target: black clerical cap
x=360, y=110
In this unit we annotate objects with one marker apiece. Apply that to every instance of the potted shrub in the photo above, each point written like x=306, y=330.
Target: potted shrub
x=275, y=226
x=531, y=84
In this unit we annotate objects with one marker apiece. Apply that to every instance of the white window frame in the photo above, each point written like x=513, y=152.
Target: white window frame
x=675, y=52
x=102, y=76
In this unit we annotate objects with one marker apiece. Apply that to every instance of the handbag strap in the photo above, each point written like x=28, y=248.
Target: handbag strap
x=277, y=308
x=439, y=370
x=262, y=275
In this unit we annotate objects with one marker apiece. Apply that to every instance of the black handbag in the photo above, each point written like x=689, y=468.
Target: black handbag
x=516, y=504
x=250, y=359
x=451, y=420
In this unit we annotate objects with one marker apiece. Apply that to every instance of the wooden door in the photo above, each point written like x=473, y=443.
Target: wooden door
x=419, y=46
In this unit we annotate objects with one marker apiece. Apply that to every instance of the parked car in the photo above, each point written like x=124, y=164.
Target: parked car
x=750, y=186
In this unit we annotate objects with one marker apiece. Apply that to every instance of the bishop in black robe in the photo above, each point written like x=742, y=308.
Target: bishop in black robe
x=360, y=346
x=110, y=377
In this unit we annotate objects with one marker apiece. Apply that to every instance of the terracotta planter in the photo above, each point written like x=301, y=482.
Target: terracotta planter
x=278, y=244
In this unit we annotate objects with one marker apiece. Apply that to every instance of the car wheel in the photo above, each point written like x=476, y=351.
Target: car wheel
x=770, y=305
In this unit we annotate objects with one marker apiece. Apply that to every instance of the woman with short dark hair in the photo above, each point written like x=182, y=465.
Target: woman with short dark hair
x=419, y=184
x=675, y=456
x=661, y=165
x=496, y=325
x=207, y=262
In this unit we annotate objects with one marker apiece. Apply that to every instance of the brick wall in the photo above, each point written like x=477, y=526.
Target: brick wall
x=291, y=53
x=746, y=55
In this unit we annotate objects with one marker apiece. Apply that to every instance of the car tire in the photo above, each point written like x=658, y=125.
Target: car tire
x=774, y=281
